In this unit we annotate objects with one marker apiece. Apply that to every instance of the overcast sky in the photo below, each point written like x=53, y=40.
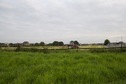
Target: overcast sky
x=88, y=21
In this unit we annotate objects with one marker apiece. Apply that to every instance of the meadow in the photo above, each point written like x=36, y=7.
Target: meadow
x=62, y=67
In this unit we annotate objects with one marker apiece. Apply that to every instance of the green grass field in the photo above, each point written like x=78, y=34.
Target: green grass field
x=71, y=67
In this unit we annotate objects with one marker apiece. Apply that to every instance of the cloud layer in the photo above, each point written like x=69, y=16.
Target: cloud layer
x=48, y=20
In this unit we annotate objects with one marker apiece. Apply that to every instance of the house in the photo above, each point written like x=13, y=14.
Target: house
x=116, y=44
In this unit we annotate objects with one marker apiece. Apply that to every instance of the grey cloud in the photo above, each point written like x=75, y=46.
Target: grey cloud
x=62, y=20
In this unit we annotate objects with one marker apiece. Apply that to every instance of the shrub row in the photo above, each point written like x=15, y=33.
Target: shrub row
x=32, y=50
x=95, y=50
x=108, y=50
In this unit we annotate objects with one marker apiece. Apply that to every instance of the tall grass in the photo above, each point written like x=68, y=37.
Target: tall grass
x=81, y=67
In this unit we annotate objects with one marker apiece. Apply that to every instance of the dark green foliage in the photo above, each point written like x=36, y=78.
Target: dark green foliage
x=13, y=45
x=37, y=44
x=106, y=42
x=71, y=42
x=56, y=43
x=75, y=42
x=3, y=45
x=105, y=50
x=42, y=43
x=61, y=43
x=46, y=51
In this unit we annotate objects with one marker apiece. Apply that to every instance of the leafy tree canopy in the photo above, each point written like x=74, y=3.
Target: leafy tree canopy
x=106, y=42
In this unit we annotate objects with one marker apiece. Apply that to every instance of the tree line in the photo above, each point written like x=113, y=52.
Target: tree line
x=54, y=43
x=26, y=43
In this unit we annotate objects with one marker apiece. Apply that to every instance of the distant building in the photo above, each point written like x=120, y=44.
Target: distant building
x=116, y=44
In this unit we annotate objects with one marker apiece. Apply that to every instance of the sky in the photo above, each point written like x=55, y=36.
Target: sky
x=87, y=21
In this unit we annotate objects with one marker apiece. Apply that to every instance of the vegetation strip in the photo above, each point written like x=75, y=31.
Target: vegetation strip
x=83, y=67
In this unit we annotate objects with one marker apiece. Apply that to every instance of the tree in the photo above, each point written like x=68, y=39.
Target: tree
x=55, y=43
x=106, y=42
x=60, y=43
x=42, y=43
x=71, y=42
x=26, y=43
x=76, y=43
x=37, y=44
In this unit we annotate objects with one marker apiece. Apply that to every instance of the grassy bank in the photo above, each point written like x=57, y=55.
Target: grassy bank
x=81, y=67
